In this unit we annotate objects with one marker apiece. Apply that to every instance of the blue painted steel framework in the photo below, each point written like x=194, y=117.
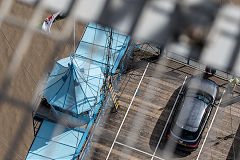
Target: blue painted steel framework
x=55, y=140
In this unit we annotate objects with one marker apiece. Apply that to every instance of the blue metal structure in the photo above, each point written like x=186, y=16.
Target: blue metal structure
x=76, y=88
x=94, y=46
x=55, y=141
x=74, y=85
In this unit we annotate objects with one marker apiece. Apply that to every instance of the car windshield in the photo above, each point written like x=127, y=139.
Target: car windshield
x=184, y=134
x=206, y=98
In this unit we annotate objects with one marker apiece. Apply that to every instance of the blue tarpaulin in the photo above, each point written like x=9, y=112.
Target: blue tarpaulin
x=94, y=45
x=55, y=142
x=74, y=85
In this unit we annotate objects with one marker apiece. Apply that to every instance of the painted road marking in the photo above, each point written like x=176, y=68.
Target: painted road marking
x=127, y=112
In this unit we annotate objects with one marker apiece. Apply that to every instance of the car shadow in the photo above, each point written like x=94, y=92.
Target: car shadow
x=165, y=146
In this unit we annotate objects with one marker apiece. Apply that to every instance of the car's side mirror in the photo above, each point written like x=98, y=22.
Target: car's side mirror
x=218, y=96
x=181, y=93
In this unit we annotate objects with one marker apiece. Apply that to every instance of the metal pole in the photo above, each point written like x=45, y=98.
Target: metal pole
x=74, y=45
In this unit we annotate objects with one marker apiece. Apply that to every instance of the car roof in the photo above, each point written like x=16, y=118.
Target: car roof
x=191, y=114
x=192, y=109
x=205, y=85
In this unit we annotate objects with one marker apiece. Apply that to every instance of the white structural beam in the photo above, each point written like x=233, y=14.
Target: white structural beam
x=222, y=38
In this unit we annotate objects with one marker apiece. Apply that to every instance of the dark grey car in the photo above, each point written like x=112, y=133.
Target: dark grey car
x=192, y=112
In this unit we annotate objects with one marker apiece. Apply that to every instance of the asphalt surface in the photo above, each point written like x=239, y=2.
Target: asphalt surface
x=148, y=112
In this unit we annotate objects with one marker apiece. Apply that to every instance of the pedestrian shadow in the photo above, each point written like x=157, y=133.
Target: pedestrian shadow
x=157, y=131
x=233, y=153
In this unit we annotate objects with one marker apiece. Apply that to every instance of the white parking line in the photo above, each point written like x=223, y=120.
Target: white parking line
x=138, y=150
x=127, y=112
x=168, y=120
x=210, y=126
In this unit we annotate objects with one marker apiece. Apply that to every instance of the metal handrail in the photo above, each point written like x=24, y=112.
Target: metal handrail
x=186, y=60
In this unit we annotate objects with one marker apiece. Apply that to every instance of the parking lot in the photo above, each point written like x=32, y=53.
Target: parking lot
x=146, y=96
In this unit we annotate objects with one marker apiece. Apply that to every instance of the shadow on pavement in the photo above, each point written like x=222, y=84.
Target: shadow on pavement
x=165, y=145
x=233, y=153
